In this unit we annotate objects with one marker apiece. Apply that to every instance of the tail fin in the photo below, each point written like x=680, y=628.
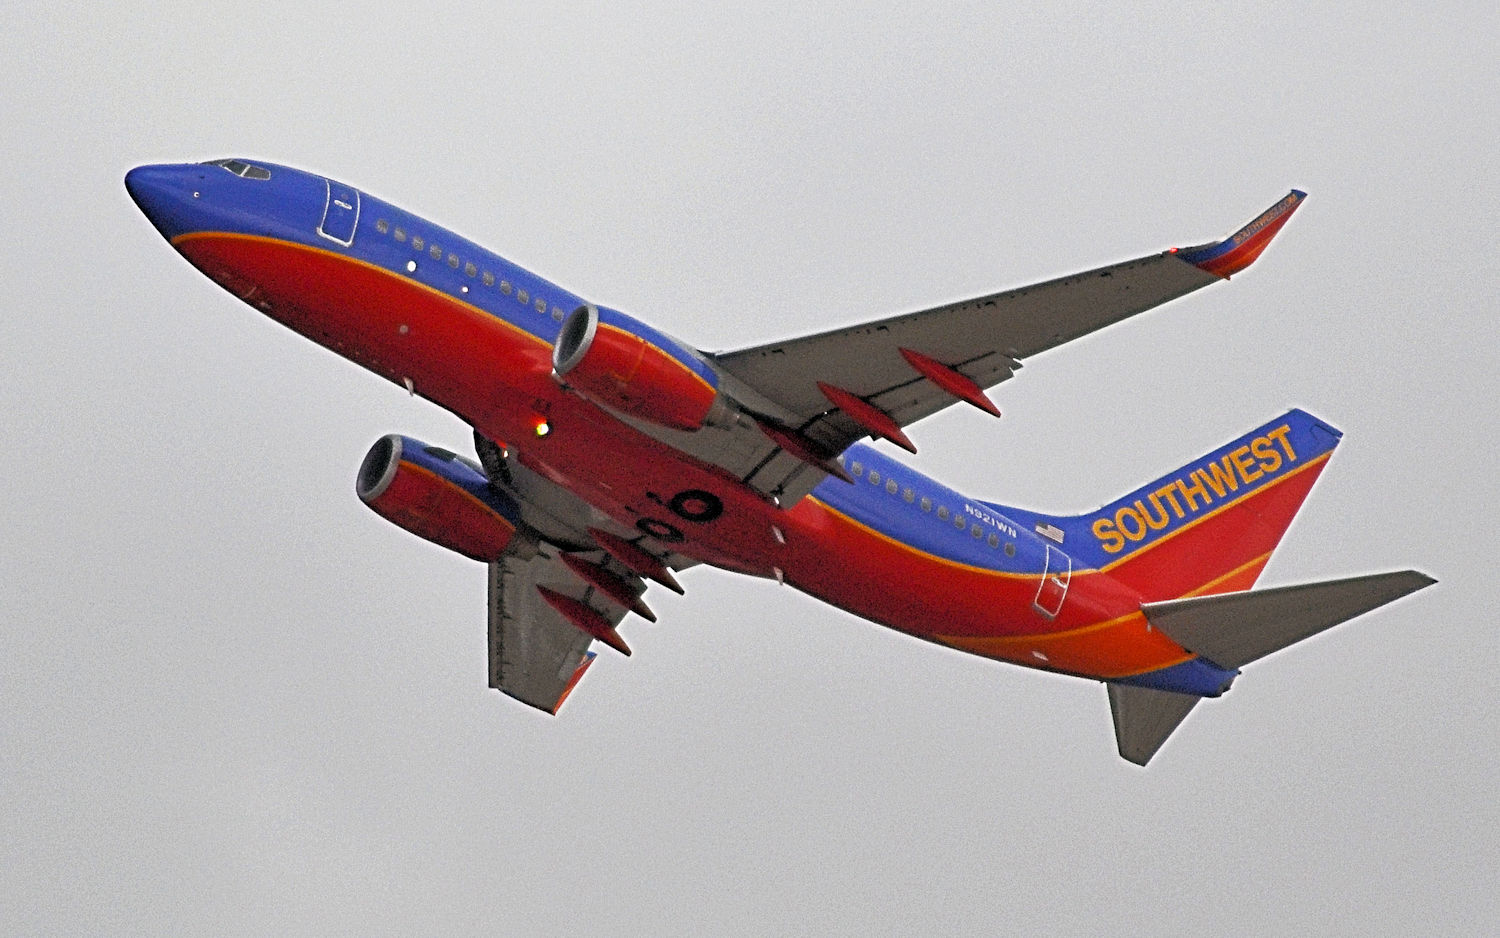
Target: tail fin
x=1235, y=629
x=1210, y=526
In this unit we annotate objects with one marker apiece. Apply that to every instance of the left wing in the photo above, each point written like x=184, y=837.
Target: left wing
x=544, y=616
x=874, y=378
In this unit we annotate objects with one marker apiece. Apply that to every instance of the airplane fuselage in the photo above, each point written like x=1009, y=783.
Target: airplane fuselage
x=474, y=333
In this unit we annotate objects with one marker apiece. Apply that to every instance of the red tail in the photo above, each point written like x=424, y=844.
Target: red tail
x=1211, y=526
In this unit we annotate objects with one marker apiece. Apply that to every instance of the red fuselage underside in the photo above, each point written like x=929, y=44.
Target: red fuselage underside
x=498, y=377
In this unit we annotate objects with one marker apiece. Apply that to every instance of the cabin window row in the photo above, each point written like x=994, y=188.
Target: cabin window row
x=435, y=251
x=909, y=495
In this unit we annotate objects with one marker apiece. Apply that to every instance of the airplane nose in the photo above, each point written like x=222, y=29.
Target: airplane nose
x=164, y=193
x=145, y=185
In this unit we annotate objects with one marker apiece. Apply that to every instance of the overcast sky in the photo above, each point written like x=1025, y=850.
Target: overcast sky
x=235, y=701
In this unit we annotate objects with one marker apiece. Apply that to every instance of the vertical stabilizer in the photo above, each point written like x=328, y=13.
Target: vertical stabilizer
x=1210, y=526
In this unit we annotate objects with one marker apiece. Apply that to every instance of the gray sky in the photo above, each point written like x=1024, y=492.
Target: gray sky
x=235, y=701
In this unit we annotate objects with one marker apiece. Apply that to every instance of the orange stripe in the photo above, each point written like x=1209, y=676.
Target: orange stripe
x=281, y=242
x=1003, y=640
x=1207, y=587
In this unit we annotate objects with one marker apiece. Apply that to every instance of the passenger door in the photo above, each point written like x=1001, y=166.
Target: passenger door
x=1054, y=586
x=340, y=213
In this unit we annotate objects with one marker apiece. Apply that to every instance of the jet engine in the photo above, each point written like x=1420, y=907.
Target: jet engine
x=625, y=365
x=438, y=496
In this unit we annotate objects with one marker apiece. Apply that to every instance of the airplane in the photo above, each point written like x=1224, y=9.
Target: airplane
x=611, y=454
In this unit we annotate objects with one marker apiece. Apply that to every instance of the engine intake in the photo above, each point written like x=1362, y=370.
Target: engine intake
x=625, y=365
x=438, y=496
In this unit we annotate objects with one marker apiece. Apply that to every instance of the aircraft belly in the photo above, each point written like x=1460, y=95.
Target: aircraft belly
x=498, y=376
x=1099, y=632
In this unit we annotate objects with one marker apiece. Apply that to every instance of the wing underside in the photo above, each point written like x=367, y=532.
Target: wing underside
x=536, y=655
x=903, y=368
x=543, y=617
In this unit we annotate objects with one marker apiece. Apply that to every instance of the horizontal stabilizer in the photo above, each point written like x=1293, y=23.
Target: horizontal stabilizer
x=1234, y=629
x=1145, y=717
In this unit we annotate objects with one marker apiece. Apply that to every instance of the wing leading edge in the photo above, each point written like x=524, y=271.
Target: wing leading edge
x=976, y=343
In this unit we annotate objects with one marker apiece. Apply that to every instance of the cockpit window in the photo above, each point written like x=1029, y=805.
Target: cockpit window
x=241, y=168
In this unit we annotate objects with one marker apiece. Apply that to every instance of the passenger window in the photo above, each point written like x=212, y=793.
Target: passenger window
x=958, y=522
x=993, y=540
x=487, y=278
x=523, y=296
x=505, y=287
x=976, y=531
x=891, y=486
x=400, y=234
x=453, y=261
x=874, y=477
x=1010, y=550
x=471, y=270
x=435, y=252
x=943, y=512
x=417, y=243
x=857, y=469
x=382, y=226
x=907, y=495
x=926, y=503
x=557, y=314
x=541, y=305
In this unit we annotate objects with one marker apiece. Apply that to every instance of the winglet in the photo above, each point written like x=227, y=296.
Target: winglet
x=1232, y=255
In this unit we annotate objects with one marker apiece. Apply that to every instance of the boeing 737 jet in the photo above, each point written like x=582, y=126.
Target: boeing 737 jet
x=610, y=453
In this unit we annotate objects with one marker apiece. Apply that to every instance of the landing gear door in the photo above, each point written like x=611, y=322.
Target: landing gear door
x=340, y=213
x=1054, y=586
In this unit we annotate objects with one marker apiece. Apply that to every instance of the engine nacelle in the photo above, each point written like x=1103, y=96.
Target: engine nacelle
x=626, y=365
x=438, y=496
